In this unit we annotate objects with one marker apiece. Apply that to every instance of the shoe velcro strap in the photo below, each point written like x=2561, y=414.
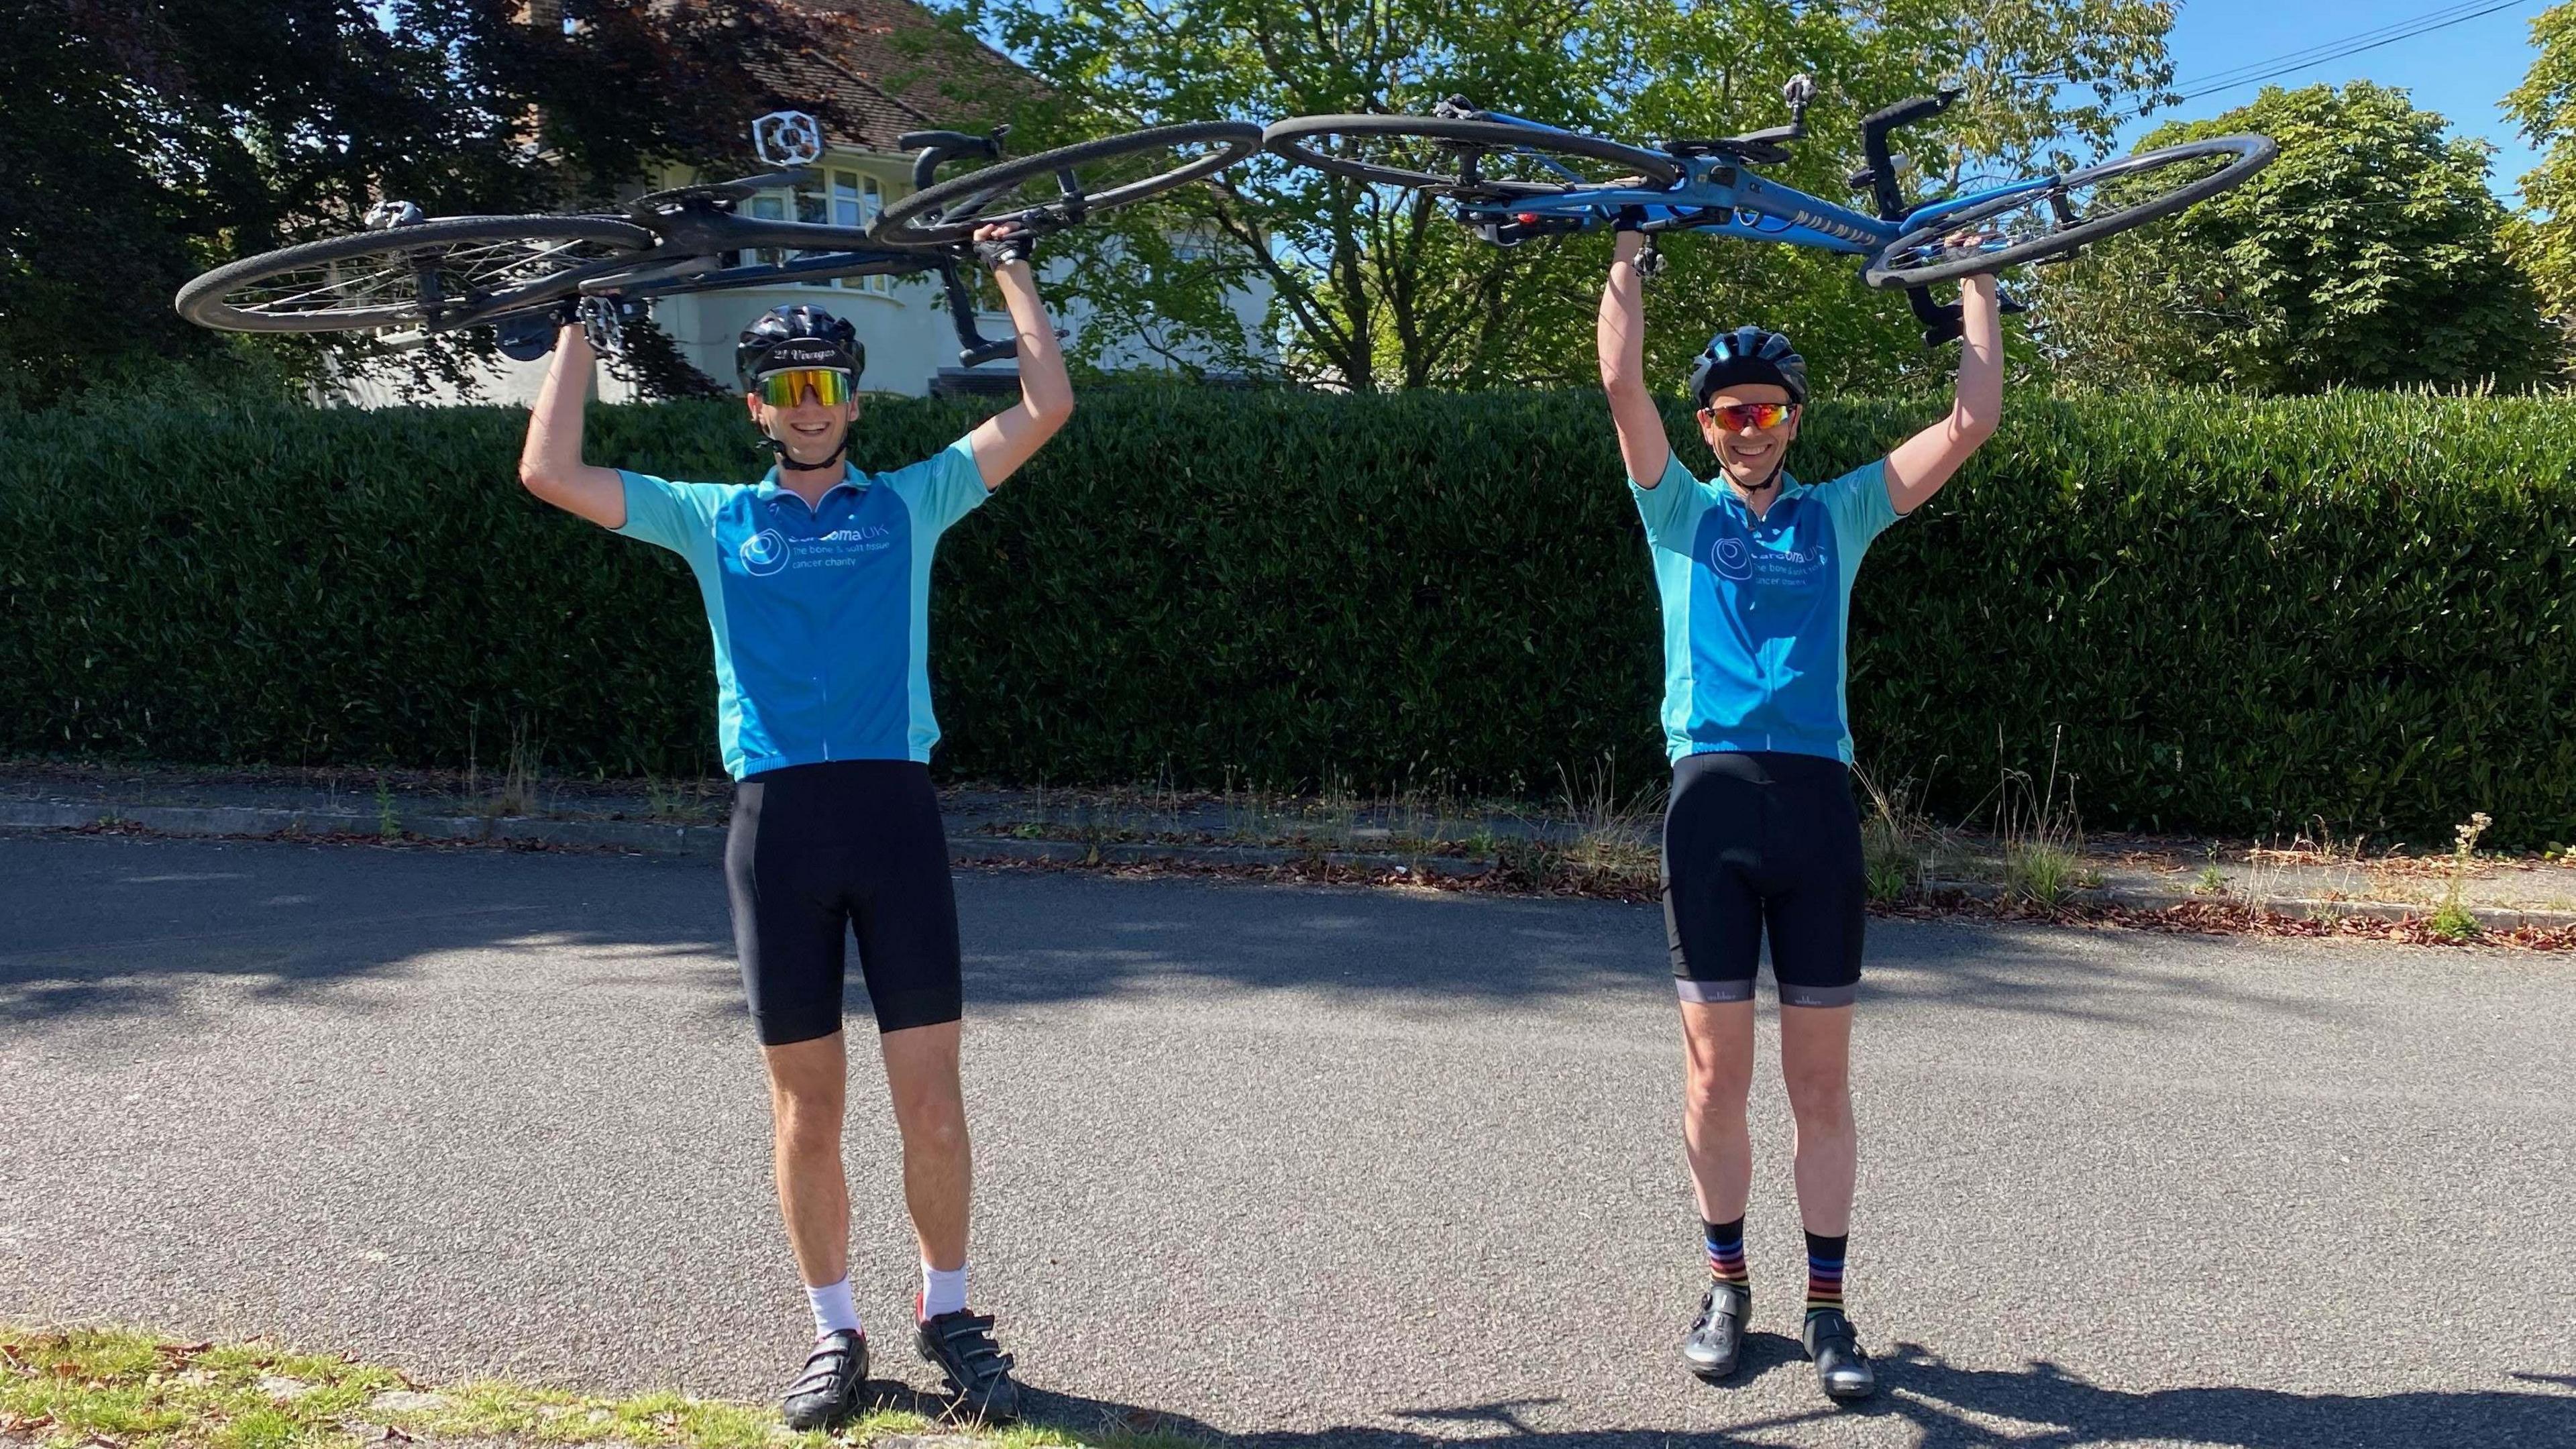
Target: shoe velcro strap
x=826, y=1364
x=972, y=1343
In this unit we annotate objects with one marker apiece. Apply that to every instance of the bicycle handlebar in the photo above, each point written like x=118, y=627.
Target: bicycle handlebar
x=1906, y=113
x=938, y=146
x=1874, y=129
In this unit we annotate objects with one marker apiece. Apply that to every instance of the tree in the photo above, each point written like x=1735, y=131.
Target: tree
x=2371, y=254
x=143, y=141
x=1384, y=291
x=2543, y=239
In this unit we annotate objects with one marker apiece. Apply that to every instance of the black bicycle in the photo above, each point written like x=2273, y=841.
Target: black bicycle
x=443, y=274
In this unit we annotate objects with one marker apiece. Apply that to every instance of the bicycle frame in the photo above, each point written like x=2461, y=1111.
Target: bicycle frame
x=1723, y=197
x=694, y=228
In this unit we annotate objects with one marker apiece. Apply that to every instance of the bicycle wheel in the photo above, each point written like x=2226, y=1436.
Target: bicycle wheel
x=1466, y=160
x=1055, y=189
x=445, y=273
x=2082, y=207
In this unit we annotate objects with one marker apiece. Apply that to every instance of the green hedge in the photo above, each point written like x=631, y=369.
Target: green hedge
x=2242, y=615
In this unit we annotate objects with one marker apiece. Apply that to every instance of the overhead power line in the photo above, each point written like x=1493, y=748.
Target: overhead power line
x=2277, y=66
x=2323, y=51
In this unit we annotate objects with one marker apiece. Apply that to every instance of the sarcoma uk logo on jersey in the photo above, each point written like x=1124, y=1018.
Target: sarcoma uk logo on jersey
x=1731, y=557
x=764, y=553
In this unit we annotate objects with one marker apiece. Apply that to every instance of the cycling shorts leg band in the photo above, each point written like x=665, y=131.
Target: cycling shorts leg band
x=1764, y=844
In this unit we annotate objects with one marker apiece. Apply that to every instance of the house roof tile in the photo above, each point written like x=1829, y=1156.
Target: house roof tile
x=889, y=66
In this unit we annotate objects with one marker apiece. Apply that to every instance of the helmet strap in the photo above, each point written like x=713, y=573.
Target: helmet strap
x=786, y=460
x=1776, y=470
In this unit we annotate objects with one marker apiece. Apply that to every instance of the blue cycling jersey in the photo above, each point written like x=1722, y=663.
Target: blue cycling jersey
x=821, y=615
x=1757, y=611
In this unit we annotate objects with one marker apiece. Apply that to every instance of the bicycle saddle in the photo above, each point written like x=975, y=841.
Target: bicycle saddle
x=1767, y=147
x=1757, y=148
x=724, y=195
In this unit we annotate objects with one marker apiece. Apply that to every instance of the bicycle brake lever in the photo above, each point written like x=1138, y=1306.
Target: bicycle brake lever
x=1947, y=322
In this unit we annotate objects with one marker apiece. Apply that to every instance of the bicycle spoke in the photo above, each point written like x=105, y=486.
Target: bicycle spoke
x=400, y=277
x=1477, y=167
x=2044, y=214
x=1069, y=187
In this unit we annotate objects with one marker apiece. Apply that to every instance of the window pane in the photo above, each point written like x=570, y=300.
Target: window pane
x=768, y=206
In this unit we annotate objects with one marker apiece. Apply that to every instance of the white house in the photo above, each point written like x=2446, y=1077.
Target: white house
x=879, y=87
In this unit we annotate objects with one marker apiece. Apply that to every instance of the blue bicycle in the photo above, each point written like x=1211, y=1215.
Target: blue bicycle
x=1512, y=179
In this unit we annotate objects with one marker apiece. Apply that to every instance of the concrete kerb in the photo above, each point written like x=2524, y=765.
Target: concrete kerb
x=966, y=843
x=969, y=844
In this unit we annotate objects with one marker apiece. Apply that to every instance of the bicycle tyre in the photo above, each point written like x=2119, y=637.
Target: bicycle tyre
x=1287, y=138
x=920, y=220
x=2251, y=153
x=214, y=299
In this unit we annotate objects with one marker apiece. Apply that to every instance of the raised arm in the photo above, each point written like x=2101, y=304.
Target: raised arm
x=1621, y=336
x=1922, y=463
x=550, y=464
x=1009, y=438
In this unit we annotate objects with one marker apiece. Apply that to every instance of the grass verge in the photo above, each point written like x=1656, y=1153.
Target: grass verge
x=110, y=1388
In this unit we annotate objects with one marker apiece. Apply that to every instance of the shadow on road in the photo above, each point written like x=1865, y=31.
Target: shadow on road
x=120, y=929
x=1956, y=1408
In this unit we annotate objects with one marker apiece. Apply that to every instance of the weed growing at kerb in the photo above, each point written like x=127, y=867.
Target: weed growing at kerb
x=2454, y=919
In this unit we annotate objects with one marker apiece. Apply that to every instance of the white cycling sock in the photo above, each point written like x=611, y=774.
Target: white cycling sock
x=942, y=1292
x=833, y=1310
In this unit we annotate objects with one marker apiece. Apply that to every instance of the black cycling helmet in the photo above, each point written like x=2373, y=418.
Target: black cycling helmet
x=1748, y=354
x=798, y=336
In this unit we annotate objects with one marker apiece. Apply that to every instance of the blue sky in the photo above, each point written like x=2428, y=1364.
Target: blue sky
x=2461, y=71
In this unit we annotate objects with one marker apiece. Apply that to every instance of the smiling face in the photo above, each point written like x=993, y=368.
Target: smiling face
x=811, y=429
x=1750, y=455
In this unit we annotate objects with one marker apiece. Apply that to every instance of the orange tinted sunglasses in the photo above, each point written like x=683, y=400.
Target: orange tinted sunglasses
x=1739, y=416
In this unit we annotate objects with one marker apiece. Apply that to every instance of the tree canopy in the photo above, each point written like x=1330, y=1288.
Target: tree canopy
x=2371, y=254
x=1379, y=291
x=143, y=142
x=2544, y=106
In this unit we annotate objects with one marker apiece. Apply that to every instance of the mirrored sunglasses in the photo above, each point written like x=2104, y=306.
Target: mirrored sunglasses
x=831, y=386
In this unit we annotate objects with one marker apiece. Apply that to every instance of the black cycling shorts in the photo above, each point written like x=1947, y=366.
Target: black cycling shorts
x=1764, y=841
x=819, y=852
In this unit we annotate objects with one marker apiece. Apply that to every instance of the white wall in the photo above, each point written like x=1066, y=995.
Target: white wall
x=907, y=332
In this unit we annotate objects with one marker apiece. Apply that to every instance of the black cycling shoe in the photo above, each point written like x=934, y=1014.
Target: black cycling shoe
x=1717, y=1335
x=960, y=1345
x=1842, y=1368
x=828, y=1391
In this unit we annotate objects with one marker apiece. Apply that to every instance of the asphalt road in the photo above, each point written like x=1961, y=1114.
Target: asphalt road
x=1301, y=1165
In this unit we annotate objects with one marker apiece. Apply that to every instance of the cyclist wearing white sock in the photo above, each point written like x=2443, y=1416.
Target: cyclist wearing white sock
x=816, y=582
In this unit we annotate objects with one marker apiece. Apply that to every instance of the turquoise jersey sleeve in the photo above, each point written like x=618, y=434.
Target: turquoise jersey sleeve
x=942, y=488
x=1859, y=505
x=1671, y=508
x=677, y=516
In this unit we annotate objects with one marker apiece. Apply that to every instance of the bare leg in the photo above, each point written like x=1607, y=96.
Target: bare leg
x=930, y=1111
x=808, y=1090
x=1815, y=1065
x=1717, y=1038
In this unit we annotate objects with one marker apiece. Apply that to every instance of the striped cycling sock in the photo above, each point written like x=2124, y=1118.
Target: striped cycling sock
x=1725, y=1243
x=1825, y=1271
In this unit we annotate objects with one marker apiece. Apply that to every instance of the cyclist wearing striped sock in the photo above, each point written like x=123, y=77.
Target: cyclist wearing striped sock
x=1762, y=837
x=816, y=582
